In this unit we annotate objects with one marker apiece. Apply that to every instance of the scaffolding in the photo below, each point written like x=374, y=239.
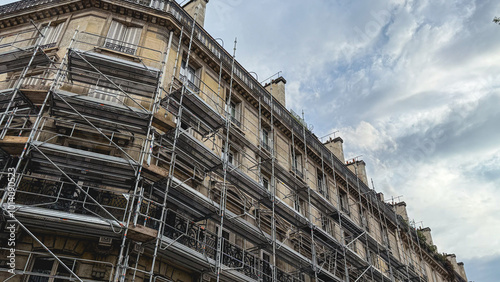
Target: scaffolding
x=170, y=170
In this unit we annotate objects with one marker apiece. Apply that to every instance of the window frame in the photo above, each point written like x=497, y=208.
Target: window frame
x=297, y=164
x=192, y=75
x=121, y=44
x=265, y=139
x=59, y=27
x=322, y=184
x=54, y=270
x=344, y=201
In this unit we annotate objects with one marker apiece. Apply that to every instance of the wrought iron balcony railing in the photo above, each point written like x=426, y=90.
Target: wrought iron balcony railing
x=196, y=237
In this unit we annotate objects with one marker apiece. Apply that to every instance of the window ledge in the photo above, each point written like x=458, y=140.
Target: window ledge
x=51, y=50
x=237, y=127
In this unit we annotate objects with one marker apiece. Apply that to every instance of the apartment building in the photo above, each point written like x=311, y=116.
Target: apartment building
x=135, y=148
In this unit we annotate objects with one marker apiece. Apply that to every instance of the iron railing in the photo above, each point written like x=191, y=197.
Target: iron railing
x=196, y=237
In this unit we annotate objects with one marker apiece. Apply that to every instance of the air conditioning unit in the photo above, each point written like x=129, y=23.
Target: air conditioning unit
x=105, y=241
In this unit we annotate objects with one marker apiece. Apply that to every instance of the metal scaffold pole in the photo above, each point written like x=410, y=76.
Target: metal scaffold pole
x=385, y=234
x=225, y=156
x=171, y=169
x=21, y=78
x=25, y=151
x=273, y=188
x=400, y=240
x=309, y=205
x=338, y=205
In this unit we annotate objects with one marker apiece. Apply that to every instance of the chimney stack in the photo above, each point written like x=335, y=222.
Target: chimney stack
x=458, y=267
x=427, y=234
x=401, y=210
x=461, y=271
x=380, y=197
x=278, y=89
x=191, y=8
x=336, y=146
x=358, y=168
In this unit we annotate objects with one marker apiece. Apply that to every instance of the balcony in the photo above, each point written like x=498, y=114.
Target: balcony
x=191, y=84
x=66, y=197
x=120, y=46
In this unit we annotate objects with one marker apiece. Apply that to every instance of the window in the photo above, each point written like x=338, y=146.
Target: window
x=326, y=224
x=343, y=201
x=265, y=183
x=297, y=165
x=157, y=4
x=188, y=73
x=225, y=234
x=384, y=236
x=51, y=35
x=300, y=205
x=350, y=240
x=232, y=158
x=322, y=187
x=232, y=108
x=186, y=127
x=266, y=259
x=123, y=38
x=106, y=94
x=368, y=256
x=265, y=142
x=49, y=266
x=364, y=218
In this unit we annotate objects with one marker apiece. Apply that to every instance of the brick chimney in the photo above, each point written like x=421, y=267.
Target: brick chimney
x=358, y=168
x=336, y=146
x=278, y=90
x=191, y=8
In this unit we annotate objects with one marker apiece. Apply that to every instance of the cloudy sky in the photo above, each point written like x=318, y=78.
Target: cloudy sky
x=412, y=86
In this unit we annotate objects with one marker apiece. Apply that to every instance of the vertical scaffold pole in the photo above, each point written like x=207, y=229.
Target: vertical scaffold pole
x=177, y=133
x=273, y=188
x=23, y=154
x=225, y=156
